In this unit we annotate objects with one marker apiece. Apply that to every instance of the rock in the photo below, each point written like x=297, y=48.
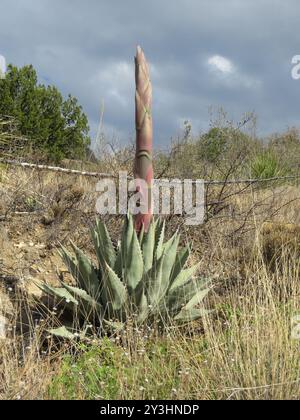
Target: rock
x=20, y=245
x=6, y=310
x=35, y=269
x=48, y=219
x=32, y=289
x=40, y=246
x=3, y=323
x=3, y=236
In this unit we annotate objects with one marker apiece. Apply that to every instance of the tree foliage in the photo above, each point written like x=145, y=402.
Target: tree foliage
x=55, y=126
x=221, y=141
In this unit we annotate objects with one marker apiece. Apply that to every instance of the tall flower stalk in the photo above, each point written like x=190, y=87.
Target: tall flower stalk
x=144, y=140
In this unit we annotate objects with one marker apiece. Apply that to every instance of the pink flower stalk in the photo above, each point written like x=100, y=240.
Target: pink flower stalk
x=144, y=139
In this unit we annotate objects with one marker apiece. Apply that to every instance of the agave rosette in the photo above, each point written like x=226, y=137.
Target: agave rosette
x=145, y=279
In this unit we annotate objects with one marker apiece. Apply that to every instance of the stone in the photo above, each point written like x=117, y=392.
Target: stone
x=3, y=323
x=6, y=310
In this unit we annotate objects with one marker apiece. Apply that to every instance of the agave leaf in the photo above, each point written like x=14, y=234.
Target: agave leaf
x=114, y=290
x=148, y=248
x=190, y=312
x=118, y=267
x=189, y=315
x=135, y=264
x=98, y=247
x=87, y=276
x=169, y=256
x=127, y=238
x=169, y=261
x=72, y=264
x=90, y=305
x=93, y=287
x=154, y=290
x=129, y=231
x=141, y=235
x=106, y=249
x=158, y=223
x=181, y=260
x=159, y=239
x=143, y=309
x=184, y=295
x=58, y=292
x=62, y=332
x=197, y=299
x=183, y=277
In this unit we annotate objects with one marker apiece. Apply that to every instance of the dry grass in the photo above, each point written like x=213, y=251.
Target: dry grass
x=25, y=369
x=246, y=351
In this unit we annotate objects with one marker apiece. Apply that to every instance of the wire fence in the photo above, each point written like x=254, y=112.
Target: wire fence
x=58, y=169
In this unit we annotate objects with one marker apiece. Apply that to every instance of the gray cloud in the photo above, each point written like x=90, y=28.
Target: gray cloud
x=87, y=48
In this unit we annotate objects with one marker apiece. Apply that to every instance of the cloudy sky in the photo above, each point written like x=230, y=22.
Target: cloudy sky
x=234, y=54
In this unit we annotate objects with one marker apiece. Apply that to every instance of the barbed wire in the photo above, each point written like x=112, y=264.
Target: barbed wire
x=107, y=175
x=55, y=169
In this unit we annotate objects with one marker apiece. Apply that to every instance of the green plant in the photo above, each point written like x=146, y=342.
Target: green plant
x=93, y=374
x=55, y=127
x=214, y=144
x=143, y=281
x=266, y=166
x=31, y=203
x=108, y=371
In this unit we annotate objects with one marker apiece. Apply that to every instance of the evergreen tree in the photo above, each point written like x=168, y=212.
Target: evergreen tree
x=57, y=127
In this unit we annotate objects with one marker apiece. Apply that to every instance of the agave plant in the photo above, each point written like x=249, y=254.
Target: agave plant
x=144, y=280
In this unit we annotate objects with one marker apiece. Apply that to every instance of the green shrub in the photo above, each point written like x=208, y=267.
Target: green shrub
x=108, y=371
x=55, y=127
x=91, y=375
x=214, y=144
x=266, y=166
x=286, y=147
